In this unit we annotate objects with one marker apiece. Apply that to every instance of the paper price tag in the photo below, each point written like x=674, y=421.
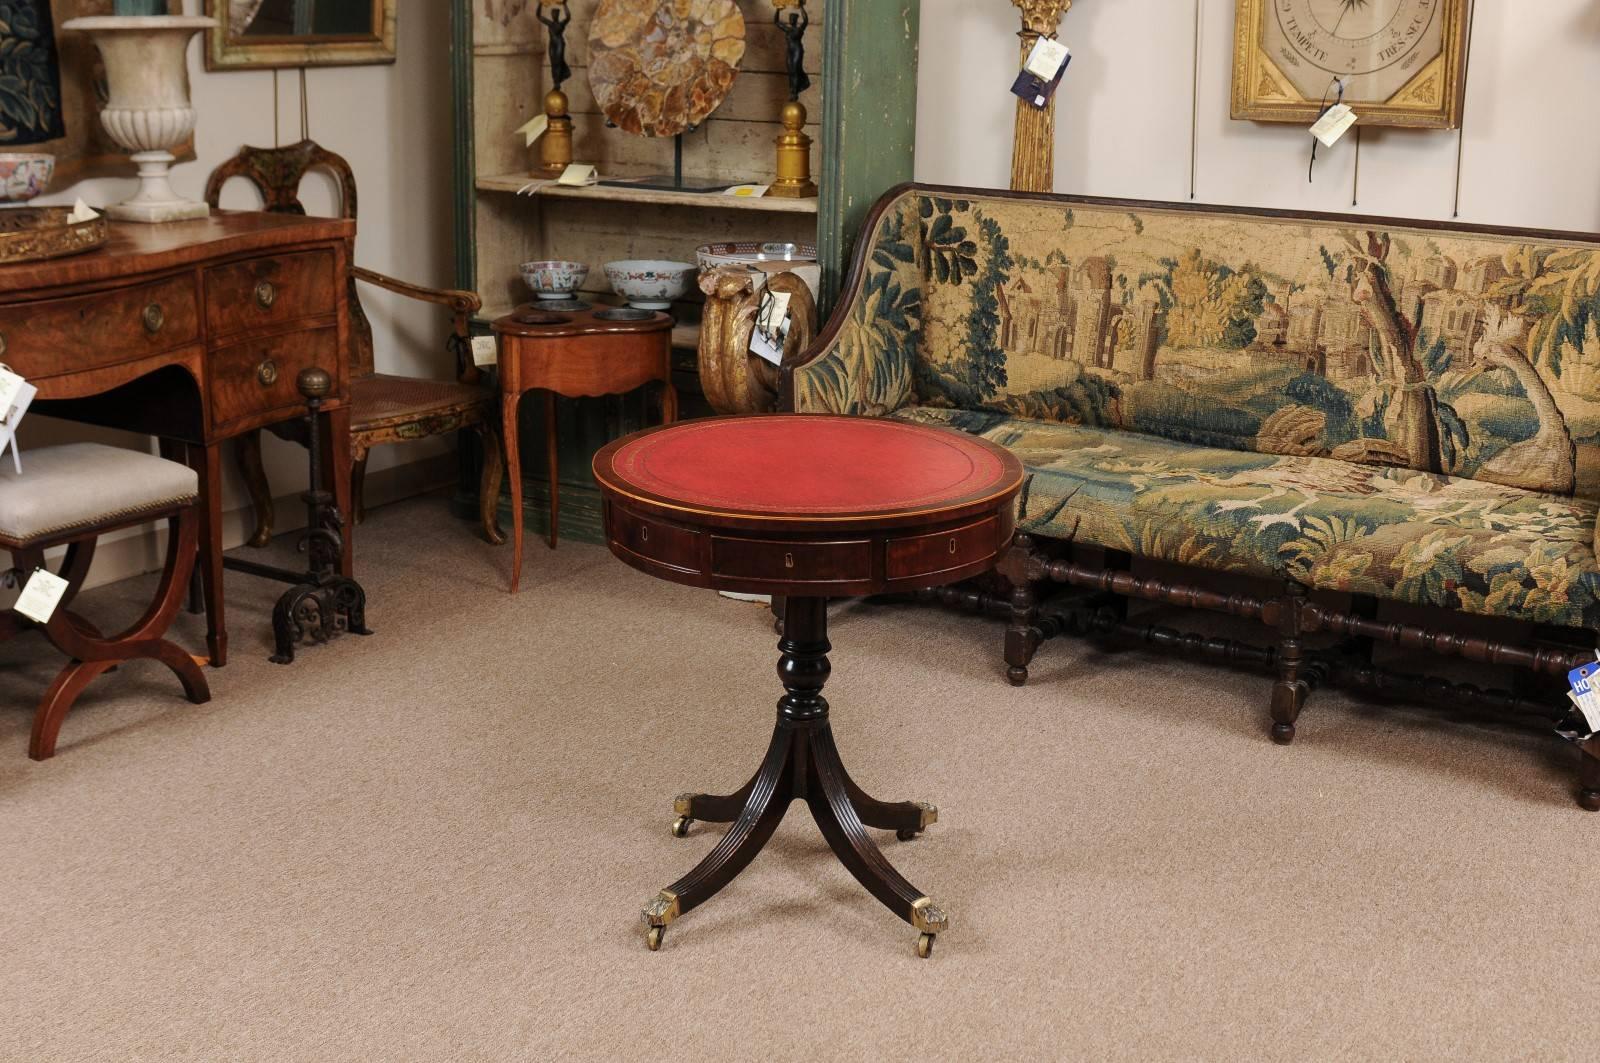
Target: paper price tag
x=534, y=129
x=578, y=174
x=1585, y=693
x=10, y=390
x=1334, y=124
x=485, y=351
x=772, y=327
x=1046, y=59
x=40, y=597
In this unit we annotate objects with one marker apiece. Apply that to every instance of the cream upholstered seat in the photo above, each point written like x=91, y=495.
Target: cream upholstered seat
x=82, y=485
x=70, y=495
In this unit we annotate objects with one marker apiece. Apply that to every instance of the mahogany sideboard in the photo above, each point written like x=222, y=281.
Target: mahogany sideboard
x=192, y=332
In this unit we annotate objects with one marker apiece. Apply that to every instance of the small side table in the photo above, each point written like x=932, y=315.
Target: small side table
x=578, y=354
x=874, y=506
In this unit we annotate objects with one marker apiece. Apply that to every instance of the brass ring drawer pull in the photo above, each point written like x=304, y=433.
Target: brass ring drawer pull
x=952, y=544
x=267, y=372
x=266, y=295
x=154, y=317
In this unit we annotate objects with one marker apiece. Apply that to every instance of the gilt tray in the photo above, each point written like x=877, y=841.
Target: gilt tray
x=31, y=234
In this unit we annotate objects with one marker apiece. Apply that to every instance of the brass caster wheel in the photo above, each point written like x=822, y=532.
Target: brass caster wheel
x=906, y=834
x=680, y=827
x=925, y=946
x=653, y=937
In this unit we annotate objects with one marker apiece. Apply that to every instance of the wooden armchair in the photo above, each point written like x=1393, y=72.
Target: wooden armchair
x=384, y=408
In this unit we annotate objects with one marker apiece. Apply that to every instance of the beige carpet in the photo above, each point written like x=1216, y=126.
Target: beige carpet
x=432, y=845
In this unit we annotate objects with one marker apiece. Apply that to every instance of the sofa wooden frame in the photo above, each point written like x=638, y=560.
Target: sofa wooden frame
x=1107, y=583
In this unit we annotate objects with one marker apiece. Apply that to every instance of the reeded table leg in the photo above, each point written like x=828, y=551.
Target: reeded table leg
x=803, y=763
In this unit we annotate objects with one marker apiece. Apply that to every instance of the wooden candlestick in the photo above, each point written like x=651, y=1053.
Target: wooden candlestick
x=1033, y=150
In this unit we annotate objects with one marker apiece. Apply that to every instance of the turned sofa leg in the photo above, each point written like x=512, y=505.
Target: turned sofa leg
x=1021, y=568
x=1589, y=775
x=1290, y=690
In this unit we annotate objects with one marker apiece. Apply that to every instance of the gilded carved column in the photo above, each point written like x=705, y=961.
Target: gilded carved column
x=1033, y=167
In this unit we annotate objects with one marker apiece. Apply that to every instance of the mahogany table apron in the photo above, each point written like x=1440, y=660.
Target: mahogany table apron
x=577, y=354
x=193, y=332
x=877, y=506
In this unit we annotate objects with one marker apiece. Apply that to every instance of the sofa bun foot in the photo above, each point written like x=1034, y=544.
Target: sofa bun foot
x=1016, y=676
x=1283, y=733
x=1589, y=800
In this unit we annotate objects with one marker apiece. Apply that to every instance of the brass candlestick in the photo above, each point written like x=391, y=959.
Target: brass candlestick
x=1033, y=149
x=555, y=146
x=794, y=146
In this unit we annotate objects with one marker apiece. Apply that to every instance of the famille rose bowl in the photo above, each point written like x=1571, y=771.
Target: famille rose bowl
x=554, y=279
x=24, y=175
x=769, y=257
x=649, y=284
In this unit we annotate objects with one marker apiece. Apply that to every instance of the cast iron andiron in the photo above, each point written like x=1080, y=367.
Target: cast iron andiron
x=322, y=603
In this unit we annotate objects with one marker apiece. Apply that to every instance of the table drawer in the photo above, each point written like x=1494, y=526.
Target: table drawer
x=258, y=376
x=655, y=540
x=764, y=559
x=56, y=336
x=261, y=291
x=925, y=555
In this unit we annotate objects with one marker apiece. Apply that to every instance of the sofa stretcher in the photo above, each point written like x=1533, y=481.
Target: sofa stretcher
x=1355, y=410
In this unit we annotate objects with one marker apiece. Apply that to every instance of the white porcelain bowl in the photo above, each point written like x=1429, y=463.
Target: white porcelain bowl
x=649, y=284
x=555, y=278
x=769, y=257
x=24, y=175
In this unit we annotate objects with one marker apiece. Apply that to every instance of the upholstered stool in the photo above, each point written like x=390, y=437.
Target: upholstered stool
x=72, y=495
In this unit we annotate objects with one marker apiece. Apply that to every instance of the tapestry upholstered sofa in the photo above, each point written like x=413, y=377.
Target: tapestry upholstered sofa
x=1356, y=410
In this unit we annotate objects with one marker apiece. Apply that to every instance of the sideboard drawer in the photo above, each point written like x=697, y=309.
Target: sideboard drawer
x=924, y=555
x=258, y=376
x=260, y=291
x=765, y=559
x=43, y=339
x=655, y=540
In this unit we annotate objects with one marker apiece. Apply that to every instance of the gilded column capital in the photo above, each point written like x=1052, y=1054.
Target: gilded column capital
x=1041, y=17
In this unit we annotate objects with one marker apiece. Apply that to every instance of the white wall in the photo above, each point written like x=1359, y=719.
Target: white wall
x=392, y=123
x=1123, y=126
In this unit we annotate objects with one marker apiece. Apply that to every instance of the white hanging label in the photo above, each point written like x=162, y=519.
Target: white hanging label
x=1334, y=124
x=534, y=129
x=485, y=351
x=40, y=597
x=16, y=394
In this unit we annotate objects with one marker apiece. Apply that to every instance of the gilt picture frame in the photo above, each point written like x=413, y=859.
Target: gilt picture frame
x=1404, y=62
x=271, y=34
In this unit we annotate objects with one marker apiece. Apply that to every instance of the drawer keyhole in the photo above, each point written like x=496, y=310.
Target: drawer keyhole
x=154, y=318
x=266, y=295
x=267, y=372
x=788, y=561
x=952, y=544
x=644, y=535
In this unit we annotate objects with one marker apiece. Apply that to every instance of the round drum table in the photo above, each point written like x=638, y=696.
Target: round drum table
x=810, y=508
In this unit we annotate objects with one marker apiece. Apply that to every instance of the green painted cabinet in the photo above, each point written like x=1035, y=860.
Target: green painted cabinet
x=864, y=144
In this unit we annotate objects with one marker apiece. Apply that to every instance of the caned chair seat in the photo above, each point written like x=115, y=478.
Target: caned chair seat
x=382, y=399
x=76, y=486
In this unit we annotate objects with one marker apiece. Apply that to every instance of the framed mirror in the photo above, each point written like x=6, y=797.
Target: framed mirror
x=257, y=34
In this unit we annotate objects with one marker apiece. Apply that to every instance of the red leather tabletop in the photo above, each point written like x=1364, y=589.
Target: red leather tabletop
x=812, y=466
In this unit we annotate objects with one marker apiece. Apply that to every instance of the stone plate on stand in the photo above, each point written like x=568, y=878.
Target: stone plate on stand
x=657, y=72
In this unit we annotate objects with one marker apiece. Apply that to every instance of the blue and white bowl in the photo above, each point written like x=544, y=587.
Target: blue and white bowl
x=650, y=284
